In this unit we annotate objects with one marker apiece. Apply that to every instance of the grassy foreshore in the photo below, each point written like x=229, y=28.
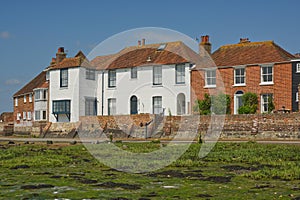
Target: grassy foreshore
x=230, y=171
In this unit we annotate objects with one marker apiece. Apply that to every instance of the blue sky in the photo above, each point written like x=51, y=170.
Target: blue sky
x=31, y=31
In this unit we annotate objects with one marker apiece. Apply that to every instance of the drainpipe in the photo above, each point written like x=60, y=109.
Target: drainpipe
x=102, y=103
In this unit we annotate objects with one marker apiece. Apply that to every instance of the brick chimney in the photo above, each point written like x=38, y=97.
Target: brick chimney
x=205, y=43
x=143, y=41
x=60, y=55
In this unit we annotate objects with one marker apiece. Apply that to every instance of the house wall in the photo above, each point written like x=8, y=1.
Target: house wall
x=88, y=88
x=41, y=105
x=144, y=90
x=295, y=83
x=69, y=93
x=281, y=89
x=23, y=107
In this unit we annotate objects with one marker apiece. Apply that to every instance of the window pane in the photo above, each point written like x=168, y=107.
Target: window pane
x=157, y=75
x=61, y=107
x=112, y=78
x=157, y=105
x=180, y=74
x=90, y=106
x=210, y=77
x=37, y=115
x=64, y=78
x=90, y=74
x=111, y=106
x=134, y=72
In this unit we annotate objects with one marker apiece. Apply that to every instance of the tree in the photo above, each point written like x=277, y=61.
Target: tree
x=203, y=106
x=217, y=104
x=250, y=103
x=220, y=104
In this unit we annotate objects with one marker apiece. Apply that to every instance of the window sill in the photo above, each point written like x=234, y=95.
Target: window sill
x=239, y=85
x=63, y=88
x=180, y=84
x=267, y=83
x=157, y=86
x=210, y=86
x=112, y=88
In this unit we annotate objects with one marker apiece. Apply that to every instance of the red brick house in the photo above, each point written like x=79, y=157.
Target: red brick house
x=263, y=68
x=24, y=101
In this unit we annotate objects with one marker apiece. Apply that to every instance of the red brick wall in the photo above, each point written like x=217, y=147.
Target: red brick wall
x=281, y=90
x=23, y=107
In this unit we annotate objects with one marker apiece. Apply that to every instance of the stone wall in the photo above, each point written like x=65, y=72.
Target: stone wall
x=6, y=129
x=256, y=126
x=248, y=127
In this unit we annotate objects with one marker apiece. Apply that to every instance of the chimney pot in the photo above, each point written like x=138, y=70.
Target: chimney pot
x=61, y=50
x=244, y=40
x=205, y=44
x=60, y=55
x=143, y=41
x=139, y=43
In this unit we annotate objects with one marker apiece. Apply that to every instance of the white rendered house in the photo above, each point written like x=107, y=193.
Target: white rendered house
x=151, y=79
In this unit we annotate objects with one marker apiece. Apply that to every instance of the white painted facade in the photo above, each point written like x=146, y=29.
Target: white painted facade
x=71, y=93
x=80, y=88
x=142, y=87
x=40, y=104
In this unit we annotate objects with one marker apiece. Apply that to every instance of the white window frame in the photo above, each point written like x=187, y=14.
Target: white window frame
x=90, y=74
x=297, y=96
x=24, y=115
x=239, y=76
x=37, y=95
x=18, y=116
x=30, y=97
x=16, y=101
x=28, y=115
x=157, y=75
x=262, y=82
x=90, y=106
x=64, y=78
x=210, y=80
x=263, y=103
x=157, y=105
x=112, y=106
x=298, y=68
x=112, y=78
x=25, y=99
x=37, y=115
x=180, y=74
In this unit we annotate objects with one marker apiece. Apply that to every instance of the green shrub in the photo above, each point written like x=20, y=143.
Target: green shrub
x=250, y=103
x=217, y=104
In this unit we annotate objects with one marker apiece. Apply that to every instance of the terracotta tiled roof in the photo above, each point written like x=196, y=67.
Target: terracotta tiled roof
x=79, y=60
x=34, y=83
x=146, y=56
x=250, y=53
x=44, y=85
x=174, y=52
